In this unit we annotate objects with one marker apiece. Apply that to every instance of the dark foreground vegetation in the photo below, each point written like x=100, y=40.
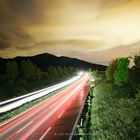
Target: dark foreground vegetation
x=21, y=78
x=114, y=106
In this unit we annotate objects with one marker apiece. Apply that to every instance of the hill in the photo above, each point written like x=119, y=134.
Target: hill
x=45, y=60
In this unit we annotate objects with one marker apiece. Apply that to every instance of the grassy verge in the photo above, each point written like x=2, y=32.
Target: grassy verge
x=112, y=114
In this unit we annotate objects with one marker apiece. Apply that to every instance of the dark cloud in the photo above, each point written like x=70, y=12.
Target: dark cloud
x=23, y=11
x=4, y=44
x=22, y=6
x=12, y=16
x=12, y=36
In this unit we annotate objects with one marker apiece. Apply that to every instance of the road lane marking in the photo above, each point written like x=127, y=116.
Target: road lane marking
x=45, y=133
x=52, y=105
x=61, y=114
x=24, y=127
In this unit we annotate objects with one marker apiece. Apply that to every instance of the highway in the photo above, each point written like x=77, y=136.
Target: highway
x=52, y=119
x=18, y=101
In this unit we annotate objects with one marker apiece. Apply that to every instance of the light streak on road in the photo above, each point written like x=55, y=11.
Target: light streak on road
x=16, y=102
x=42, y=121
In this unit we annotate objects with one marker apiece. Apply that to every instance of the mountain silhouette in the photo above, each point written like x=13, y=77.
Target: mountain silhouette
x=45, y=60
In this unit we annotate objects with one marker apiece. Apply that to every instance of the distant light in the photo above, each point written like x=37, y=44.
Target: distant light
x=80, y=73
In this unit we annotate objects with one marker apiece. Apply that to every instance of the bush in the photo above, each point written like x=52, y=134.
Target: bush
x=94, y=73
x=114, y=115
x=121, y=74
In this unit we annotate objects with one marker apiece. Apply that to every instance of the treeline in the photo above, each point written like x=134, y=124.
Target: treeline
x=25, y=76
x=120, y=74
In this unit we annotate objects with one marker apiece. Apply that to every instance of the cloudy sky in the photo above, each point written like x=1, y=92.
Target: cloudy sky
x=92, y=30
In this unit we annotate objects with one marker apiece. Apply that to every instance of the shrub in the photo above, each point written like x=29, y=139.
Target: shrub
x=114, y=117
x=94, y=74
x=121, y=75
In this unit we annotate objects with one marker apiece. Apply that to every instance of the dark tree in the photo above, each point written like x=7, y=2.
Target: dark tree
x=11, y=70
x=110, y=70
x=137, y=60
x=29, y=71
x=135, y=72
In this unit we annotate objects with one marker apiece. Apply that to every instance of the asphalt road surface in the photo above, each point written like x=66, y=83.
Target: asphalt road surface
x=52, y=119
